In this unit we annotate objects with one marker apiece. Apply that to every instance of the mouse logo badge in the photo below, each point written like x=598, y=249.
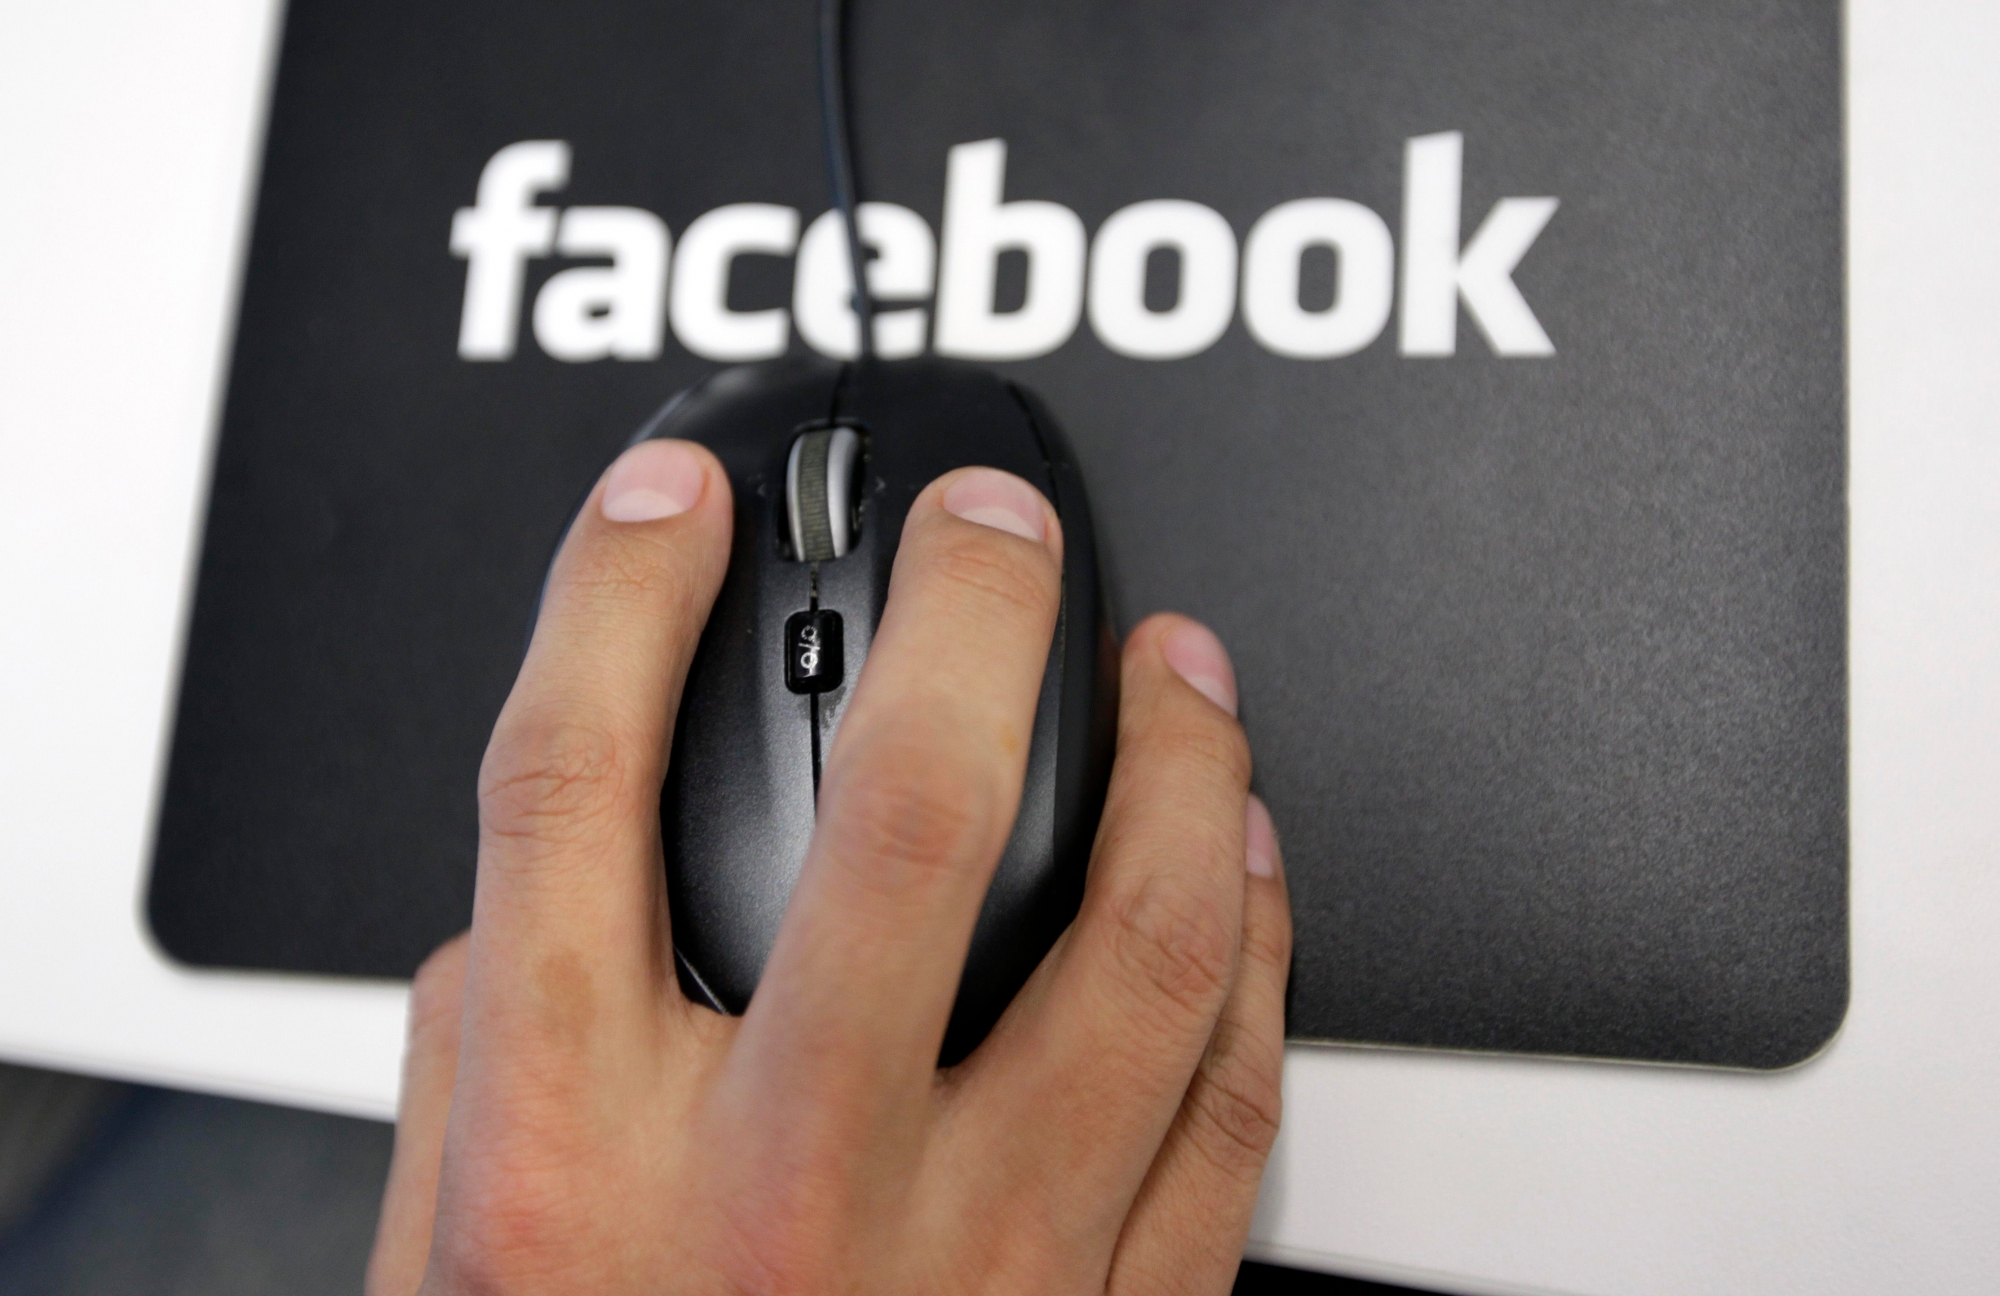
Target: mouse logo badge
x=813, y=658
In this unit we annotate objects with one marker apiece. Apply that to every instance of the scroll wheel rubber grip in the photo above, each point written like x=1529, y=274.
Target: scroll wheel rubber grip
x=819, y=493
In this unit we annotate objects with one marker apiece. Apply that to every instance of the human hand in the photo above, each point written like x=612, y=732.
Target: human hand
x=571, y=1123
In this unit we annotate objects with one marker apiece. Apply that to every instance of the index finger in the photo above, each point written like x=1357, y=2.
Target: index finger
x=571, y=896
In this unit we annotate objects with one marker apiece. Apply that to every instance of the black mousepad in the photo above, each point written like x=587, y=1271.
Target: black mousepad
x=1537, y=599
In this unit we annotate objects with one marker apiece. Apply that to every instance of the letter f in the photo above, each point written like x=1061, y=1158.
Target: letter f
x=497, y=235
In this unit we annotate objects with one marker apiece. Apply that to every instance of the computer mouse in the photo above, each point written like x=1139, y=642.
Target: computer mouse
x=825, y=459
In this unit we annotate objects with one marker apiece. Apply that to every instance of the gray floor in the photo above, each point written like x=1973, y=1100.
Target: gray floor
x=45, y=1121
x=172, y=1194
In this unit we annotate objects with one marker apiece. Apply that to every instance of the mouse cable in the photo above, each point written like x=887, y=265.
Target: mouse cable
x=837, y=142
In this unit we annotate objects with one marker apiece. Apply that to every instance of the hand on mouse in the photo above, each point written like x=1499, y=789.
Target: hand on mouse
x=571, y=1123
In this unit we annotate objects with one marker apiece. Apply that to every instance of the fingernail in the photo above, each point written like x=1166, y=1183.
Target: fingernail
x=999, y=500
x=1260, y=840
x=653, y=480
x=1198, y=657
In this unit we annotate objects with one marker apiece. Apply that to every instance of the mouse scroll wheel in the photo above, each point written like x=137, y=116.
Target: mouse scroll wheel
x=820, y=485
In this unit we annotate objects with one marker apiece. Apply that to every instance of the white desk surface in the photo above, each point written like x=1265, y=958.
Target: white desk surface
x=128, y=134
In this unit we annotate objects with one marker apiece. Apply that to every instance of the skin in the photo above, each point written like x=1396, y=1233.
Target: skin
x=571, y=1123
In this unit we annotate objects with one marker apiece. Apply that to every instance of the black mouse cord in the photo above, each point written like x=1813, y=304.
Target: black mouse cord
x=838, y=145
x=840, y=159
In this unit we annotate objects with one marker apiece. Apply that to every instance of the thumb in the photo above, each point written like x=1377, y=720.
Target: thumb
x=430, y=1065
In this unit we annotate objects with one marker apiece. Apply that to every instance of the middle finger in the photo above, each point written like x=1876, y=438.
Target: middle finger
x=918, y=797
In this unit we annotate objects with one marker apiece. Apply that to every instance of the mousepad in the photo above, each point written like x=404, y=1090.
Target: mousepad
x=1476, y=370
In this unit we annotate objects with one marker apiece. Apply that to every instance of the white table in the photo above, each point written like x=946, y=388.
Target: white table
x=130, y=135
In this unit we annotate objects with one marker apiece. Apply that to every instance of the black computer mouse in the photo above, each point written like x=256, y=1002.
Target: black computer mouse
x=825, y=460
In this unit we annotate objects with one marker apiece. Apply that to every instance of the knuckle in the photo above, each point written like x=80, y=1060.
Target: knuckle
x=508, y=1220
x=502, y=1246
x=1237, y=1102
x=1210, y=747
x=993, y=572
x=1172, y=949
x=627, y=569
x=547, y=780
x=915, y=808
x=520, y=1216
